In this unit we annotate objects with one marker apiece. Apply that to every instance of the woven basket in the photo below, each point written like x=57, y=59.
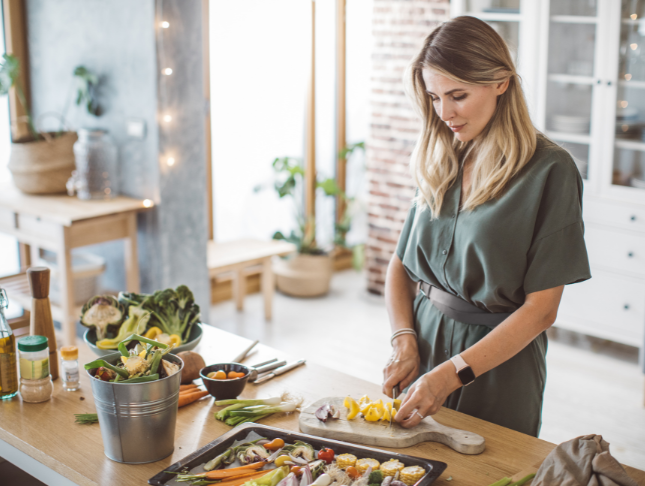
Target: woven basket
x=43, y=166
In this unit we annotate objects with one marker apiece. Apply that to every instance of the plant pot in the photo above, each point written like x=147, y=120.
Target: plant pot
x=303, y=275
x=43, y=167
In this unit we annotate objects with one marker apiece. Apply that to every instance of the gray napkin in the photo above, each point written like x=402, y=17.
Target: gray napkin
x=583, y=461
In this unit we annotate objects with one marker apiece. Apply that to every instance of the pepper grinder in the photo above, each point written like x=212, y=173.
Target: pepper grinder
x=41, y=322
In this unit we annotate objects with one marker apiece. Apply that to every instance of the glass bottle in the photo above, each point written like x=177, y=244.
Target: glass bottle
x=96, y=158
x=69, y=368
x=35, y=380
x=8, y=368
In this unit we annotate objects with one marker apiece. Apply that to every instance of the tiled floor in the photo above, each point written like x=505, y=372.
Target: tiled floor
x=593, y=386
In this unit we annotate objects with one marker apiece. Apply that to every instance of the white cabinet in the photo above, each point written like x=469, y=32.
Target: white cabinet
x=583, y=67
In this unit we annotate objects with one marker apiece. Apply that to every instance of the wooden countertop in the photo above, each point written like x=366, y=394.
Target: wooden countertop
x=47, y=431
x=64, y=209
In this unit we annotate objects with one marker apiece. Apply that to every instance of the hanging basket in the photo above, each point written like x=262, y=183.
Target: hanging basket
x=43, y=166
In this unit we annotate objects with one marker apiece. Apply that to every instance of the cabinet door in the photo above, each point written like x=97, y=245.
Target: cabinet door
x=627, y=104
x=571, y=91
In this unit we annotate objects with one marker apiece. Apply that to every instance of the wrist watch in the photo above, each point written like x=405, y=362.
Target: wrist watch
x=464, y=372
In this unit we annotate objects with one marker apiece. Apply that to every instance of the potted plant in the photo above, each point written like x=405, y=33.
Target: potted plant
x=42, y=162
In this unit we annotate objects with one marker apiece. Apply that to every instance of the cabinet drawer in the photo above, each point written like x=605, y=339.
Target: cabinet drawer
x=606, y=306
x=617, y=250
x=627, y=216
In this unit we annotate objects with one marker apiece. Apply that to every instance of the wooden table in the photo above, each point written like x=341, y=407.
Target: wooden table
x=44, y=440
x=61, y=223
x=243, y=256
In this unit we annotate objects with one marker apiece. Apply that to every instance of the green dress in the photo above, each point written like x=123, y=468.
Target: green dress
x=530, y=238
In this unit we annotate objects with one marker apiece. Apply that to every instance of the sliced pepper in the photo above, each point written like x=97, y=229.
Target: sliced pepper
x=373, y=415
x=353, y=409
x=363, y=400
x=386, y=414
x=175, y=339
x=365, y=407
x=153, y=332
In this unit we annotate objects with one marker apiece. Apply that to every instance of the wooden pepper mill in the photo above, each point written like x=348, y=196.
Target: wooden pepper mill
x=41, y=323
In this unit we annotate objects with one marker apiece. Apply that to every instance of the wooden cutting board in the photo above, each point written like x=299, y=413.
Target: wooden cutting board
x=378, y=433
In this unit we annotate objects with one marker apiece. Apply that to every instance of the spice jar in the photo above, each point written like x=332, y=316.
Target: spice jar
x=69, y=368
x=35, y=381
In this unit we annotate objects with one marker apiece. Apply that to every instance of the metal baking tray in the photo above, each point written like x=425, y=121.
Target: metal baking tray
x=219, y=445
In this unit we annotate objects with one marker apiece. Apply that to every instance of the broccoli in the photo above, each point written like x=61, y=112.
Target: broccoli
x=376, y=477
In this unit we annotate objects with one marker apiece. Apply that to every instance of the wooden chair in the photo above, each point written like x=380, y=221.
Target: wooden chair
x=242, y=257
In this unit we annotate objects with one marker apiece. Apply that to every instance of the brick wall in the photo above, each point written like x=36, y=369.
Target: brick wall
x=399, y=28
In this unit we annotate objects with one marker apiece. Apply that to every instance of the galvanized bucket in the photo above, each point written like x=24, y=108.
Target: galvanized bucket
x=138, y=419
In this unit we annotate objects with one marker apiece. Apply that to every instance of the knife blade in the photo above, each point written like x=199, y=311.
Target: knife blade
x=395, y=394
x=279, y=371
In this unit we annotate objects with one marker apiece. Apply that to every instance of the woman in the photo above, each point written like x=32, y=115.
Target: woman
x=493, y=235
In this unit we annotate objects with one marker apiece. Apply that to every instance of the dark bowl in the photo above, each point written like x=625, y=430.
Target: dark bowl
x=225, y=389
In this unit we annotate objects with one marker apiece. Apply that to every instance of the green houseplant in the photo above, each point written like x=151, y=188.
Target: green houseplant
x=42, y=162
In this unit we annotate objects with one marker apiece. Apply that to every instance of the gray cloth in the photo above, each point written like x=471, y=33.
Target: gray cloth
x=583, y=461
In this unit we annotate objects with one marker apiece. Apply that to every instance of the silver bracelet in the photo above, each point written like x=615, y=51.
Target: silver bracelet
x=401, y=332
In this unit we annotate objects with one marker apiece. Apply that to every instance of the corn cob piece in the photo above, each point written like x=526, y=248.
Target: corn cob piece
x=412, y=474
x=345, y=460
x=390, y=467
x=363, y=464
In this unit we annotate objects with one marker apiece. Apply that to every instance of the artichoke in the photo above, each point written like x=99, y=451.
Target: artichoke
x=100, y=312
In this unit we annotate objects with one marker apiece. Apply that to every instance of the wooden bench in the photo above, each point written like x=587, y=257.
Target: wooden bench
x=240, y=257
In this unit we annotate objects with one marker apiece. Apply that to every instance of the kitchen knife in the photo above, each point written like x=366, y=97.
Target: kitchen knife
x=279, y=371
x=242, y=355
x=395, y=394
x=257, y=371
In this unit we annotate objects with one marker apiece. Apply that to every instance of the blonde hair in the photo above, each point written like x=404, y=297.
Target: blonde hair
x=469, y=51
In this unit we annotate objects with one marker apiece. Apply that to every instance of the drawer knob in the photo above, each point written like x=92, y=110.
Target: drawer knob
x=630, y=254
x=626, y=306
x=632, y=217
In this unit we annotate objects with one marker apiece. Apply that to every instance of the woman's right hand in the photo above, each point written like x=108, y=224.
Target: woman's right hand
x=403, y=367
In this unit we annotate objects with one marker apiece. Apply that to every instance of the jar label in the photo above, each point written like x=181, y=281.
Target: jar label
x=71, y=375
x=34, y=370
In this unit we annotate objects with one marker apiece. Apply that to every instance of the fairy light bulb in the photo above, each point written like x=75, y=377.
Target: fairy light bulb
x=165, y=24
x=147, y=203
x=170, y=161
x=633, y=46
x=633, y=16
x=628, y=77
x=167, y=71
x=623, y=104
x=167, y=118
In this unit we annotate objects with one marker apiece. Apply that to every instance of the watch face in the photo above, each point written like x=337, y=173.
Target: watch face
x=466, y=375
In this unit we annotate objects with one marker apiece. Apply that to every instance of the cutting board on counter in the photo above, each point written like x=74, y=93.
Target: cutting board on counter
x=378, y=433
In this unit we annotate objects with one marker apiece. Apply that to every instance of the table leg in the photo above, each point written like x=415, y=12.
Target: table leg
x=239, y=288
x=64, y=258
x=131, y=258
x=268, y=288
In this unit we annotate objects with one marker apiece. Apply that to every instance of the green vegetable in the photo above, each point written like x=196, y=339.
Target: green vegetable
x=252, y=453
x=242, y=411
x=172, y=311
x=100, y=313
x=270, y=479
x=525, y=479
x=376, y=477
x=229, y=455
x=301, y=449
x=97, y=363
x=134, y=324
x=142, y=379
x=502, y=482
x=86, y=418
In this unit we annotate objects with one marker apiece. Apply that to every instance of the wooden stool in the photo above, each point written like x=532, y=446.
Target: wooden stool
x=238, y=257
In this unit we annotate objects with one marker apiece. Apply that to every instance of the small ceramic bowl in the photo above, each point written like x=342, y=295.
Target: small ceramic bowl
x=225, y=389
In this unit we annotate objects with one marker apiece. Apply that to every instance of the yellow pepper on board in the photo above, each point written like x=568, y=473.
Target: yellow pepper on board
x=386, y=414
x=373, y=415
x=353, y=409
x=346, y=402
x=365, y=407
x=363, y=400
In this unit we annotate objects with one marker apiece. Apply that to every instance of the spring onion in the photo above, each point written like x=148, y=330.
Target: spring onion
x=100, y=362
x=86, y=418
x=241, y=411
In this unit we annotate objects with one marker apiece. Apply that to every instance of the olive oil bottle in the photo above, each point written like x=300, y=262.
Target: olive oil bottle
x=8, y=368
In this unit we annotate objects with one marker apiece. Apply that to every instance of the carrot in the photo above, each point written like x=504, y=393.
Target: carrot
x=235, y=480
x=187, y=387
x=235, y=471
x=187, y=398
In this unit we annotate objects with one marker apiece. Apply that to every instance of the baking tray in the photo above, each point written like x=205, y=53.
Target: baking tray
x=219, y=445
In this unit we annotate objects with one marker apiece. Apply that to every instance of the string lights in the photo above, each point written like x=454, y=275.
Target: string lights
x=167, y=118
x=167, y=71
x=166, y=159
x=165, y=24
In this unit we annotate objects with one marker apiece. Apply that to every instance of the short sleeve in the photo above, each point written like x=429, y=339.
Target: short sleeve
x=558, y=254
x=404, y=237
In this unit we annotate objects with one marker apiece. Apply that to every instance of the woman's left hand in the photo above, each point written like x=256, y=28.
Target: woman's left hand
x=427, y=395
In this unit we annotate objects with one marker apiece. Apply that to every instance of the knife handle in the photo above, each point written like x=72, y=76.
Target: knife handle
x=395, y=392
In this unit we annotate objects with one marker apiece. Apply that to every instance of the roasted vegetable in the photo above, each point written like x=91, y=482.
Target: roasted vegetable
x=101, y=312
x=252, y=453
x=301, y=449
x=346, y=460
x=134, y=324
x=363, y=464
x=391, y=467
x=375, y=477
x=412, y=474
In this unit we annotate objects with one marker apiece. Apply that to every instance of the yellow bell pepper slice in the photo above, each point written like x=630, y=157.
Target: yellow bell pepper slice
x=386, y=414
x=346, y=401
x=397, y=403
x=363, y=400
x=353, y=409
x=175, y=339
x=153, y=332
x=365, y=407
x=373, y=415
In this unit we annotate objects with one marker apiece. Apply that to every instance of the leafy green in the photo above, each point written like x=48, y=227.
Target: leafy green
x=135, y=324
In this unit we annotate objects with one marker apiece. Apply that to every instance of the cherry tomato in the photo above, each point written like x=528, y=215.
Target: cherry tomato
x=326, y=455
x=352, y=472
x=296, y=470
x=274, y=445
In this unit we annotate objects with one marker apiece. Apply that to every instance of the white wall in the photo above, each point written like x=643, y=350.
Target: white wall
x=259, y=77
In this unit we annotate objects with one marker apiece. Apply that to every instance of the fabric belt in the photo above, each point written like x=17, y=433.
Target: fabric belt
x=458, y=309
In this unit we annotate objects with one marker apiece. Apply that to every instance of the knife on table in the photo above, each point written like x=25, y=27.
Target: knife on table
x=395, y=394
x=279, y=371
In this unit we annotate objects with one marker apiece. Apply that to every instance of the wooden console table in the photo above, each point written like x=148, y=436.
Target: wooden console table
x=61, y=223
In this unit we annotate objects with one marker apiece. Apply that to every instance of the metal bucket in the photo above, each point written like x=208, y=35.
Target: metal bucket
x=138, y=419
